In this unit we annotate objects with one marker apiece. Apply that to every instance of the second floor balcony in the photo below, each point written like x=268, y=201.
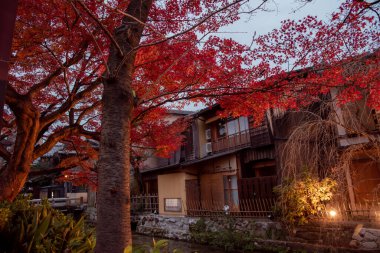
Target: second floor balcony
x=230, y=142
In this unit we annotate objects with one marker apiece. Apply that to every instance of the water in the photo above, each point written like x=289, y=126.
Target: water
x=185, y=247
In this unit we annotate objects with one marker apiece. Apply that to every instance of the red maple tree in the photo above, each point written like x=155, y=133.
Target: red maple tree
x=136, y=57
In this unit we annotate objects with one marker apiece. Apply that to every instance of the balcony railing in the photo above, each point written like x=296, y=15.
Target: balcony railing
x=230, y=142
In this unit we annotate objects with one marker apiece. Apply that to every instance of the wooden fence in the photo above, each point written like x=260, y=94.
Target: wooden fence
x=144, y=203
x=258, y=207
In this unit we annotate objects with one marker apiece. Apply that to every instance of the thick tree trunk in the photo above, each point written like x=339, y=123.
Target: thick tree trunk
x=15, y=173
x=113, y=230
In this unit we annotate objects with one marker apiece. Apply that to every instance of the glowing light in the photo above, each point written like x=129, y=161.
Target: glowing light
x=332, y=213
x=66, y=176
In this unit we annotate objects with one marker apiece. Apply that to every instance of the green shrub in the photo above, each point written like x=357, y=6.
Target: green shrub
x=157, y=247
x=29, y=229
x=300, y=200
x=227, y=239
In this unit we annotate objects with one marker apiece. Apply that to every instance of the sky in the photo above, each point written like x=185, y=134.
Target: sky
x=263, y=22
x=278, y=10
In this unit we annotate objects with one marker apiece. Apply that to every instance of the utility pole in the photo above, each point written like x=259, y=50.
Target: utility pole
x=8, y=10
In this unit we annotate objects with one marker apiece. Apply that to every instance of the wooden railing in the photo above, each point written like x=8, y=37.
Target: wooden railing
x=238, y=140
x=144, y=203
x=258, y=207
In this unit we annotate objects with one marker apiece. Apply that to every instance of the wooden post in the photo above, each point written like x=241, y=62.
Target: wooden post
x=7, y=21
x=351, y=194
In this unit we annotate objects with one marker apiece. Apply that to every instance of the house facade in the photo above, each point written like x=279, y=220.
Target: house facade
x=223, y=162
x=234, y=163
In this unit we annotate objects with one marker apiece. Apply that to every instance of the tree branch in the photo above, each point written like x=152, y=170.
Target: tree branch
x=4, y=153
x=64, y=164
x=108, y=33
x=75, y=59
x=60, y=135
x=69, y=103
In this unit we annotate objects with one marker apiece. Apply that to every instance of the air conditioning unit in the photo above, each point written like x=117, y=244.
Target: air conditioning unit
x=208, y=134
x=208, y=147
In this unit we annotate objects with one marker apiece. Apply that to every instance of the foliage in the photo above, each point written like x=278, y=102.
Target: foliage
x=61, y=81
x=227, y=239
x=29, y=229
x=301, y=199
x=159, y=246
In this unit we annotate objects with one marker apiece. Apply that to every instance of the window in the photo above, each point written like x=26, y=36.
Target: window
x=173, y=205
x=237, y=125
x=231, y=196
x=232, y=127
x=221, y=129
x=243, y=123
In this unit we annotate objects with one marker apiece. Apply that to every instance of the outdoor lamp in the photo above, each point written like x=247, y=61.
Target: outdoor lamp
x=332, y=213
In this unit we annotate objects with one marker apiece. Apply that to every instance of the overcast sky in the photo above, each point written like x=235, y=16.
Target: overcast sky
x=264, y=22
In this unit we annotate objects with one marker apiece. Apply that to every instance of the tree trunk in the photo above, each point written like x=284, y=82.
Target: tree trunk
x=113, y=230
x=15, y=173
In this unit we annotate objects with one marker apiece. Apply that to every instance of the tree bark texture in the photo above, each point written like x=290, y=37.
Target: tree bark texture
x=113, y=230
x=14, y=174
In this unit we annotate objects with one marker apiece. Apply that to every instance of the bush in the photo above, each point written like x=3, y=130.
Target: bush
x=25, y=228
x=227, y=239
x=157, y=247
x=300, y=200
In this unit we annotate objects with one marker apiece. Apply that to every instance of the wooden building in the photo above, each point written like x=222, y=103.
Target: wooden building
x=222, y=162
x=235, y=162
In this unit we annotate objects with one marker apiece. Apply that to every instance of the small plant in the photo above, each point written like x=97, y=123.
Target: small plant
x=160, y=246
x=28, y=229
x=300, y=200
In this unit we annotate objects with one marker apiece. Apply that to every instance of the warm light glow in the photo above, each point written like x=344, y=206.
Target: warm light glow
x=332, y=213
x=66, y=176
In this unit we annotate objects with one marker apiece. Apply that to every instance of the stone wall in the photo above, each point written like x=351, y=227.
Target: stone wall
x=179, y=227
x=366, y=238
x=330, y=234
x=168, y=227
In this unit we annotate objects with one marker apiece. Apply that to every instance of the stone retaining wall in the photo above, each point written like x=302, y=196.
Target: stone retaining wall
x=366, y=238
x=335, y=234
x=179, y=227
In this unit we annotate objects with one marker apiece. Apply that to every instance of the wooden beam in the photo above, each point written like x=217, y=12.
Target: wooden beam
x=8, y=10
